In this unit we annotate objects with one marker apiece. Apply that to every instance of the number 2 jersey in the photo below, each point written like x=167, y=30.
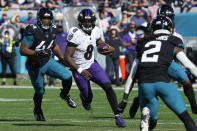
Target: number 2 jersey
x=85, y=44
x=155, y=57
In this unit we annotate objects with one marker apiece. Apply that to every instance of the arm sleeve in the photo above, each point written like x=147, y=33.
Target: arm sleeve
x=130, y=79
x=187, y=63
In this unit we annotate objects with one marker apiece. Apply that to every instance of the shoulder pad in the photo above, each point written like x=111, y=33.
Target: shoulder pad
x=73, y=30
x=175, y=40
x=31, y=28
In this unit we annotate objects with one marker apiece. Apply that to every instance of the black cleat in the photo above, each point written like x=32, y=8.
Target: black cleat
x=86, y=105
x=38, y=114
x=68, y=100
x=134, y=107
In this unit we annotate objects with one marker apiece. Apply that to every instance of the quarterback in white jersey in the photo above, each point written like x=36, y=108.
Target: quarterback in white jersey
x=81, y=43
x=84, y=55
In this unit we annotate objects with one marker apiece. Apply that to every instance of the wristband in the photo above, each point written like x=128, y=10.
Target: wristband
x=79, y=70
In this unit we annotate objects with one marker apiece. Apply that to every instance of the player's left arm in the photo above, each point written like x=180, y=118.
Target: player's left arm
x=181, y=56
x=128, y=86
x=109, y=50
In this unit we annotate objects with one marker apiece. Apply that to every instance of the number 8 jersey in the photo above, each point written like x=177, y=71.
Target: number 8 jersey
x=85, y=44
x=155, y=57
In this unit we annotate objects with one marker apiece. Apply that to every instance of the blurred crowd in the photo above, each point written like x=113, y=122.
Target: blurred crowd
x=122, y=23
x=57, y=4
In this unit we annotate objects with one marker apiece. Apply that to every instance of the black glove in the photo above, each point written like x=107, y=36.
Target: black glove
x=121, y=107
x=42, y=52
x=63, y=62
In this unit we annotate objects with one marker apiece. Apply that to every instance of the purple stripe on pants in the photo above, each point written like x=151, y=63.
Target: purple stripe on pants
x=98, y=76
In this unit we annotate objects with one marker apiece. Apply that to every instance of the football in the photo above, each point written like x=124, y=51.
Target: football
x=102, y=47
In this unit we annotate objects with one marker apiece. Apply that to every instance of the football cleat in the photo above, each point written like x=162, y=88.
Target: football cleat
x=38, y=114
x=119, y=121
x=134, y=107
x=68, y=100
x=86, y=105
x=144, y=124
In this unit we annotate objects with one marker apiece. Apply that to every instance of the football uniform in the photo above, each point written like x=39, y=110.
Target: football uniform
x=84, y=58
x=155, y=57
x=175, y=71
x=85, y=44
x=37, y=66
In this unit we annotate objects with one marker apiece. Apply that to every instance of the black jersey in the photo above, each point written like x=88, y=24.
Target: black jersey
x=155, y=55
x=41, y=40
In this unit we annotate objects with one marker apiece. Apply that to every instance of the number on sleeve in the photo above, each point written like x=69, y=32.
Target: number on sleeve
x=155, y=49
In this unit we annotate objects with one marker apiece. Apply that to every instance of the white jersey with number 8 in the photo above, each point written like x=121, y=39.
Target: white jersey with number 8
x=85, y=44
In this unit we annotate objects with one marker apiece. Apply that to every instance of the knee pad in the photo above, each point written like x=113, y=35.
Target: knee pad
x=152, y=123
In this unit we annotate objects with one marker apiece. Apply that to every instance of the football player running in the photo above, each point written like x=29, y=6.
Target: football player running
x=37, y=45
x=81, y=43
x=155, y=54
x=174, y=71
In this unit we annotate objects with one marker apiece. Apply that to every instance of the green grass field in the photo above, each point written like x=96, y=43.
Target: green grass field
x=16, y=108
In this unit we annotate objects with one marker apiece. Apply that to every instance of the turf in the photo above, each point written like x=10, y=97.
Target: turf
x=16, y=108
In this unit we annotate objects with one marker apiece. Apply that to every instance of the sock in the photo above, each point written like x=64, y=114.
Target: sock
x=189, y=92
x=188, y=121
x=37, y=101
x=152, y=123
x=111, y=96
x=66, y=84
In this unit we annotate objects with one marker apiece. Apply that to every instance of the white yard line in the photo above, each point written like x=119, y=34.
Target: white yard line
x=73, y=87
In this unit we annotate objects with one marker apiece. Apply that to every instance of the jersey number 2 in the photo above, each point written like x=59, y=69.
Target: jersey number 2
x=89, y=50
x=155, y=49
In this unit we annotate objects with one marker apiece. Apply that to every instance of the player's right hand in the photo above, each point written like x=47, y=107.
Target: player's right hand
x=42, y=52
x=121, y=107
x=86, y=74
